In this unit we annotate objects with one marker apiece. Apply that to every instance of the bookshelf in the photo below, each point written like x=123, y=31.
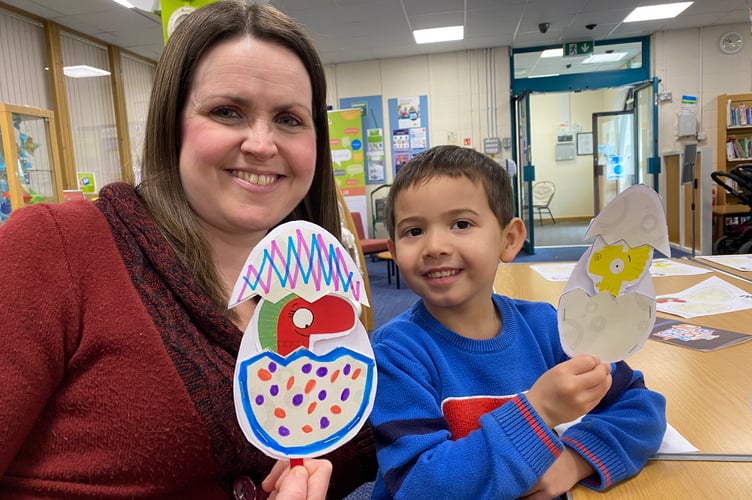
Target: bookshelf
x=734, y=138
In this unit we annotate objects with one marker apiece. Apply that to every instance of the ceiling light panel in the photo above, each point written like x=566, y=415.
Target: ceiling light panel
x=653, y=12
x=444, y=34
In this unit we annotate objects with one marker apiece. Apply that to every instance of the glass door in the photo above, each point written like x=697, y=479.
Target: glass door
x=646, y=132
x=525, y=170
x=614, y=158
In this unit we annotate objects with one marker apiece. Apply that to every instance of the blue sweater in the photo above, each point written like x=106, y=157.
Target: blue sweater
x=451, y=419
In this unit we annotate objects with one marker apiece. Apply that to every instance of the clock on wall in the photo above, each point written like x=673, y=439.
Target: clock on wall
x=731, y=42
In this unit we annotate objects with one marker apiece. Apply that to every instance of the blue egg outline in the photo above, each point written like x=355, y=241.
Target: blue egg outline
x=315, y=448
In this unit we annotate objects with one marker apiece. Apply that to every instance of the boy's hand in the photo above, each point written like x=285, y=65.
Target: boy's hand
x=564, y=473
x=570, y=389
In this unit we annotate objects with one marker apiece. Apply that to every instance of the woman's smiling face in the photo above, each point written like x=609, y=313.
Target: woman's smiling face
x=248, y=143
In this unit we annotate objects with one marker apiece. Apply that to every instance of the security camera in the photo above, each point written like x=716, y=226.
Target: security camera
x=543, y=27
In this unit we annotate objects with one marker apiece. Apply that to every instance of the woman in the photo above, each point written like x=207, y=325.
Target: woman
x=118, y=349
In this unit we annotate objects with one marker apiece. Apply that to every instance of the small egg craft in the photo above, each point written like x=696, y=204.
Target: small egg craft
x=305, y=377
x=608, y=306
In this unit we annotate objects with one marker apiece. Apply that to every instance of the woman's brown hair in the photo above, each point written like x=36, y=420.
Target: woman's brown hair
x=161, y=188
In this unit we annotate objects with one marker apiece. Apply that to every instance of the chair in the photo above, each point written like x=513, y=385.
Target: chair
x=370, y=246
x=366, y=314
x=543, y=193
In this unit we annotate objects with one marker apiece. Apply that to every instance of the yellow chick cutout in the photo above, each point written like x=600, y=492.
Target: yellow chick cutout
x=607, y=308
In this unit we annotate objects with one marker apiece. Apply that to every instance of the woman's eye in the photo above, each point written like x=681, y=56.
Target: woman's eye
x=289, y=120
x=225, y=113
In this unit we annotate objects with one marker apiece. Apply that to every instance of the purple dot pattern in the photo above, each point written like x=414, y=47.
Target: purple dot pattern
x=298, y=415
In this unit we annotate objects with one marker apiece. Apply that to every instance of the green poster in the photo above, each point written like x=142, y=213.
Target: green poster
x=348, y=158
x=174, y=11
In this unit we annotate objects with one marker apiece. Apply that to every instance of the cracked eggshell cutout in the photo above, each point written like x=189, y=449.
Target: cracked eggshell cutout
x=636, y=216
x=305, y=377
x=603, y=325
x=608, y=306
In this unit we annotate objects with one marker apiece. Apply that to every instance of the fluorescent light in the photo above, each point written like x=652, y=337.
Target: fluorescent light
x=445, y=34
x=544, y=76
x=124, y=3
x=553, y=52
x=602, y=58
x=83, y=71
x=653, y=12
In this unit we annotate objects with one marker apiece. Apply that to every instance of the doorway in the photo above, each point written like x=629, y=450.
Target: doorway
x=592, y=145
x=555, y=98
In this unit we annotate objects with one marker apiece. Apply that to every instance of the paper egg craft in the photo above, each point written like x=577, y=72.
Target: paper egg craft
x=607, y=308
x=305, y=378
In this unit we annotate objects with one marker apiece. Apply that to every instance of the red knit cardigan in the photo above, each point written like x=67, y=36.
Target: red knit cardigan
x=96, y=400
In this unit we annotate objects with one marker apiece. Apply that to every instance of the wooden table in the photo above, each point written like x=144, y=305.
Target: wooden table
x=679, y=480
x=744, y=275
x=709, y=396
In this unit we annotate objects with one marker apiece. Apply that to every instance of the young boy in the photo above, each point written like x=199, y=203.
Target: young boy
x=471, y=383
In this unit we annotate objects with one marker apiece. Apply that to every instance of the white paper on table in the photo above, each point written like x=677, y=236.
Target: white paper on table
x=711, y=296
x=554, y=271
x=673, y=442
x=738, y=262
x=667, y=267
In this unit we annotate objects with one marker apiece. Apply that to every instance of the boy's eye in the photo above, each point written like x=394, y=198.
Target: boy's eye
x=462, y=224
x=413, y=231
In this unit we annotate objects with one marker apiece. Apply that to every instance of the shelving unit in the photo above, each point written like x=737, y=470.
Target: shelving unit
x=29, y=161
x=734, y=148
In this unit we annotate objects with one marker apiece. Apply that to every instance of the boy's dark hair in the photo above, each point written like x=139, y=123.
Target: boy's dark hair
x=455, y=162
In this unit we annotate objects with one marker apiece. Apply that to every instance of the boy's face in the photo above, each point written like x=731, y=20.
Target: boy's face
x=448, y=243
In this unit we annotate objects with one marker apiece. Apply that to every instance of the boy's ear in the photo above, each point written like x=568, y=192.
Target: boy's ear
x=513, y=239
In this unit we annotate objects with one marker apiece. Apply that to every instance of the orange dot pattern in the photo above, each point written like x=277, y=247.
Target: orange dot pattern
x=299, y=394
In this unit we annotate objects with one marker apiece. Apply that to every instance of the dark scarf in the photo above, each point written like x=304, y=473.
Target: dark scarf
x=202, y=343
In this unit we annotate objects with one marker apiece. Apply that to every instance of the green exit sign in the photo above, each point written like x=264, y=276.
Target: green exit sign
x=578, y=48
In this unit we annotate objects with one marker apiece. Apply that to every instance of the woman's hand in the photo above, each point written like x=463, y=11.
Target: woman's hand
x=307, y=482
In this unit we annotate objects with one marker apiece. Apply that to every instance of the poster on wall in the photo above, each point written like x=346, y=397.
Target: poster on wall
x=372, y=123
x=401, y=139
x=418, y=138
x=375, y=156
x=400, y=160
x=348, y=158
x=410, y=137
x=408, y=109
x=346, y=142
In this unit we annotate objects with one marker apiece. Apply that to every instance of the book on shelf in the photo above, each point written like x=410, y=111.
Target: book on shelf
x=739, y=115
x=738, y=148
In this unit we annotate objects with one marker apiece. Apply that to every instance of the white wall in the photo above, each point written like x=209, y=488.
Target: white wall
x=456, y=83
x=459, y=100
x=690, y=62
